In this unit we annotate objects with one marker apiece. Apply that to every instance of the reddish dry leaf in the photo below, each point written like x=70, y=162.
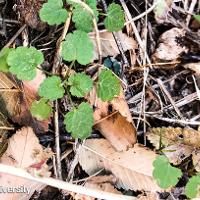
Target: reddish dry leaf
x=15, y=102
x=133, y=168
x=23, y=151
x=117, y=127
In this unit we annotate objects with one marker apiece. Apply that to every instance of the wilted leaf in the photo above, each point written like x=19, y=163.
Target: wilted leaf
x=108, y=43
x=16, y=100
x=196, y=159
x=24, y=151
x=169, y=135
x=169, y=47
x=132, y=168
x=118, y=128
x=177, y=153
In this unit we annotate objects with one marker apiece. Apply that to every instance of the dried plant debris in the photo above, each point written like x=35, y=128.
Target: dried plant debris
x=109, y=46
x=28, y=11
x=166, y=136
x=169, y=40
x=133, y=168
x=24, y=151
x=114, y=121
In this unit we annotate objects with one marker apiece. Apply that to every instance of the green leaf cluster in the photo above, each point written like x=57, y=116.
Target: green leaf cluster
x=165, y=174
x=192, y=187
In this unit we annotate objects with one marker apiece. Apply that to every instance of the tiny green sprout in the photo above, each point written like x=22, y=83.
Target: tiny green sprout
x=108, y=85
x=51, y=88
x=41, y=109
x=23, y=62
x=53, y=12
x=115, y=18
x=79, y=122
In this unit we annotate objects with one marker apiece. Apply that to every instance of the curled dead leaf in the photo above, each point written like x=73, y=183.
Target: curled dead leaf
x=114, y=121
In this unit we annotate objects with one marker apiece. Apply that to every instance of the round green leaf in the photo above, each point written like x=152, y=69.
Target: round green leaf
x=165, y=175
x=23, y=62
x=51, y=88
x=80, y=121
x=192, y=187
x=115, y=18
x=80, y=84
x=41, y=109
x=77, y=46
x=108, y=85
x=53, y=12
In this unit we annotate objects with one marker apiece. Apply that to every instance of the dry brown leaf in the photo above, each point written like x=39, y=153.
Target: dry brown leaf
x=194, y=67
x=149, y=196
x=177, y=153
x=102, y=183
x=28, y=11
x=169, y=136
x=196, y=159
x=15, y=100
x=108, y=43
x=118, y=128
x=133, y=168
x=24, y=151
x=169, y=49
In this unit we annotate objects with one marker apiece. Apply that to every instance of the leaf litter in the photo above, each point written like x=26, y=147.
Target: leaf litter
x=173, y=54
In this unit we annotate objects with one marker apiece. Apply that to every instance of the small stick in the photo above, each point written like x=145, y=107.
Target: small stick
x=15, y=36
x=63, y=185
x=6, y=128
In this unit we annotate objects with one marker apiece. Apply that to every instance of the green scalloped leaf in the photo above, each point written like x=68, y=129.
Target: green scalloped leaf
x=77, y=46
x=165, y=175
x=41, y=109
x=23, y=62
x=115, y=18
x=108, y=85
x=4, y=67
x=53, y=12
x=51, y=88
x=80, y=121
x=80, y=84
x=192, y=187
